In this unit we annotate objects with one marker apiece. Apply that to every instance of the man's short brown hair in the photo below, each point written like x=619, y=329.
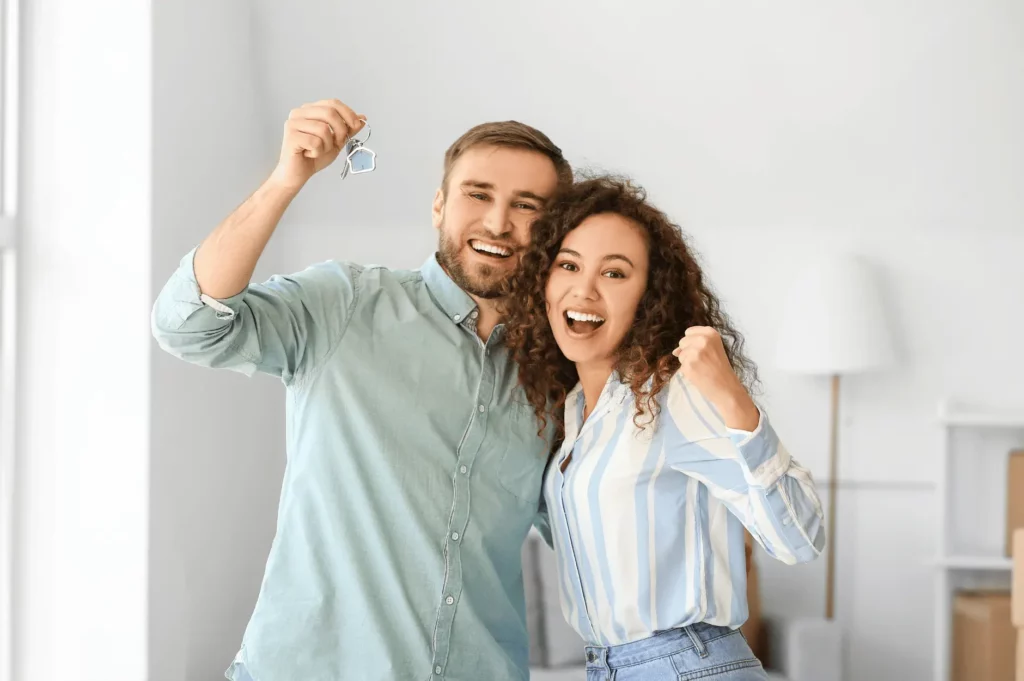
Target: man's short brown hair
x=511, y=134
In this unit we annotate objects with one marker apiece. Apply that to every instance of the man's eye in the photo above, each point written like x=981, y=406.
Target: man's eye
x=479, y=197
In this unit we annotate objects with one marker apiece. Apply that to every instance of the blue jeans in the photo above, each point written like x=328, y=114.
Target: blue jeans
x=699, y=651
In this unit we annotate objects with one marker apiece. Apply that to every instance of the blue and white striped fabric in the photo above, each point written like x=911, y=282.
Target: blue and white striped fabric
x=647, y=524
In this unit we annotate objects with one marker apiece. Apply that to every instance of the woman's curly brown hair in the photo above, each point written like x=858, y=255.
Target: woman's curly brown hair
x=677, y=297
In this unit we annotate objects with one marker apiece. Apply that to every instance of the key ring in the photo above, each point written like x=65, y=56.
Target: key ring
x=358, y=157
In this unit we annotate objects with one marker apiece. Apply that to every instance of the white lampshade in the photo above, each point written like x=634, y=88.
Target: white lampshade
x=834, y=321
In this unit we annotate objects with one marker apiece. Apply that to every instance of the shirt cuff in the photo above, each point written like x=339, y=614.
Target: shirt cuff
x=190, y=299
x=222, y=309
x=741, y=437
x=767, y=460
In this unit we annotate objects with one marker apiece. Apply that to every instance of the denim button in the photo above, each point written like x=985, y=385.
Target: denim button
x=591, y=657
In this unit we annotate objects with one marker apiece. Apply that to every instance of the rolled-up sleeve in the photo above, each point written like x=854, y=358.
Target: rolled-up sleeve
x=286, y=326
x=783, y=501
x=751, y=472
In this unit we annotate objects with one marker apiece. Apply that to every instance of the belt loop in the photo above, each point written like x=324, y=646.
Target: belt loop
x=702, y=650
x=604, y=661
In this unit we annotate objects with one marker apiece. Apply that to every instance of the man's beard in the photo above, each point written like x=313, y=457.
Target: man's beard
x=488, y=284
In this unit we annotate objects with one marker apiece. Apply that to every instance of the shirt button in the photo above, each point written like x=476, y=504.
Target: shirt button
x=437, y=669
x=481, y=408
x=450, y=600
x=455, y=536
x=463, y=470
x=456, y=318
x=787, y=521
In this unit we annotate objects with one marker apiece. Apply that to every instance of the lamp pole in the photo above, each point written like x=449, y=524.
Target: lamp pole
x=833, y=486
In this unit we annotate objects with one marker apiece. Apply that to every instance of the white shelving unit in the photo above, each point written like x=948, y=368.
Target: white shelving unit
x=971, y=519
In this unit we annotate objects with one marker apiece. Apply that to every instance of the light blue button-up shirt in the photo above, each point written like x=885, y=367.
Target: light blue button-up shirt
x=413, y=474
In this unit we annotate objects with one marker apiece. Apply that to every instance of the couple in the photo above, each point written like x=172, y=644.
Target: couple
x=560, y=362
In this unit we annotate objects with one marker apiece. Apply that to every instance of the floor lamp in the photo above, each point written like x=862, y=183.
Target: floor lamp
x=833, y=325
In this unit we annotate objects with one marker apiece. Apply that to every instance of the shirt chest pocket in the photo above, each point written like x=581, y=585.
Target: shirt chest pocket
x=521, y=467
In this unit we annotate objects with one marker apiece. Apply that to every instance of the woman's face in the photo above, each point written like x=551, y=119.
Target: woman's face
x=597, y=280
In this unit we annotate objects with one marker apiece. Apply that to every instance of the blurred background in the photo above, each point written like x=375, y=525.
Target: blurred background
x=139, y=494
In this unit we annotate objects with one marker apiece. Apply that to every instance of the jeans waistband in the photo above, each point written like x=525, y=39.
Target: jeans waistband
x=660, y=644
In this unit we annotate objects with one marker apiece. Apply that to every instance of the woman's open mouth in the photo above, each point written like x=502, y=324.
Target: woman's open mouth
x=582, y=324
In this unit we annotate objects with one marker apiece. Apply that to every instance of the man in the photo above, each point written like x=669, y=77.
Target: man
x=414, y=465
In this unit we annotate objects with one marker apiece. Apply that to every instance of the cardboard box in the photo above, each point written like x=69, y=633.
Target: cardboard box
x=1017, y=604
x=1017, y=612
x=1020, y=655
x=984, y=639
x=1014, y=497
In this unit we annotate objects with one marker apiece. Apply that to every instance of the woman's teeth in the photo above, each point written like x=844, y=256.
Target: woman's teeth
x=583, y=322
x=584, y=317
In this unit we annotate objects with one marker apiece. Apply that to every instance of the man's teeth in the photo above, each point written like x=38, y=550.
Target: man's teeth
x=488, y=248
x=584, y=317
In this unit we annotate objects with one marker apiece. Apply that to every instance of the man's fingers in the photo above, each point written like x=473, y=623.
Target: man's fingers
x=311, y=146
x=317, y=128
x=328, y=114
x=353, y=120
x=343, y=120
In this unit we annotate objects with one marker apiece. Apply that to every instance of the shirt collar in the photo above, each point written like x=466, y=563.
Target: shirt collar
x=614, y=387
x=615, y=391
x=449, y=296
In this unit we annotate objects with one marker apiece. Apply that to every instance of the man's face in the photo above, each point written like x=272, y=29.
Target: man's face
x=493, y=196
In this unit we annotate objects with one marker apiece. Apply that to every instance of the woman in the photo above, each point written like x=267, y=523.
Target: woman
x=662, y=456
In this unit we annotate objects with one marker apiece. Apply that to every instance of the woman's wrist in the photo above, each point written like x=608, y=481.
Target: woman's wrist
x=739, y=411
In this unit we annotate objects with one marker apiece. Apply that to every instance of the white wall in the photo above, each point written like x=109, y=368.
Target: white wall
x=146, y=488
x=217, y=441
x=771, y=132
x=82, y=407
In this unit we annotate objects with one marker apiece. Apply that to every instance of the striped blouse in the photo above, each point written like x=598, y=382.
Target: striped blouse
x=647, y=524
